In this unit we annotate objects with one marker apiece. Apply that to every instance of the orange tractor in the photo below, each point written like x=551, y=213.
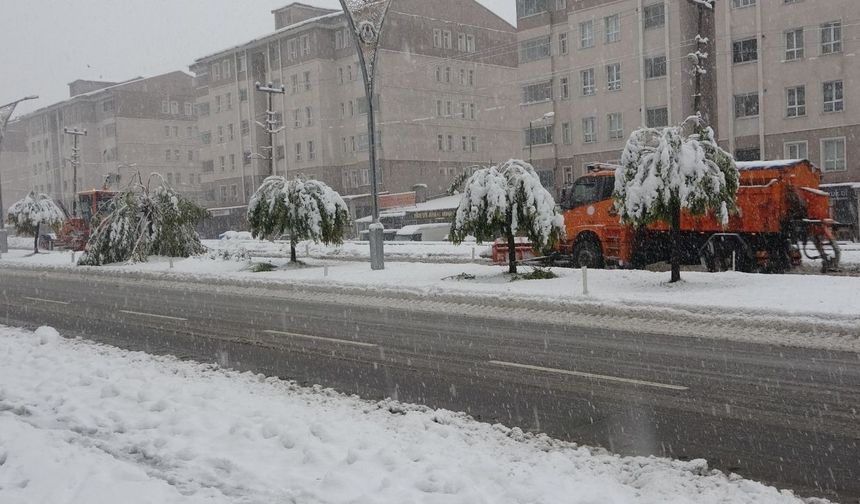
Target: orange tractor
x=76, y=231
x=781, y=214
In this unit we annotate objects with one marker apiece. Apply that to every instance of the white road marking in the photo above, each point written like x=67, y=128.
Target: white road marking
x=320, y=338
x=590, y=375
x=46, y=300
x=180, y=319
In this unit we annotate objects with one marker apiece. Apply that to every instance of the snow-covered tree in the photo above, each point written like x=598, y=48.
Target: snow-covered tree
x=140, y=222
x=34, y=210
x=303, y=209
x=507, y=200
x=666, y=170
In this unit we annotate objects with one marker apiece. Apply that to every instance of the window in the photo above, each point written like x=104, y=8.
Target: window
x=586, y=34
x=107, y=106
x=294, y=83
x=655, y=67
x=796, y=150
x=297, y=118
x=447, y=39
x=653, y=16
x=230, y=135
x=309, y=117
x=167, y=155
x=305, y=43
x=298, y=151
x=746, y=105
x=437, y=38
x=464, y=143
x=534, y=49
x=217, y=104
x=349, y=73
x=794, y=44
x=540, y=135
x=191, y=155
x=340, y=74
x=750, y=154
x=616, y=129
x=565, y=87
x=222, y=162
x=440, y=143
x=474, y=143
x=744, y=51
x=220, y=134
x=833, y=101
x=311, y=150
x=613, y=76
x=234, y=190
x=223, y=193
x=447, y=74
x=562, y=43
x=471, y=77
x=589, y=133
x=206, y=138
x=833, y=154
x=225, y=69
x=831, y=37
x=232, y=162
x=228, y=101
x=461, y=42
x=243, y=65
x=462, y=77
x=587, y=79
x=470, y=43
x=612, y=25
x=203, y=109
x=165, y=107
x=439, y=110
x=449, y=143
x=292, y=49
x=527, y=8
x=566, y=133
x=246, y=128
x=216, y=72
x=307, y=76
x=736, y=4
x=795, y=101
x=537, y=92
x=657, y=117
x=167, y=131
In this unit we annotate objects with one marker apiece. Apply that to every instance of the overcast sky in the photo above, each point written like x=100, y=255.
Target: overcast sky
x=48, y=43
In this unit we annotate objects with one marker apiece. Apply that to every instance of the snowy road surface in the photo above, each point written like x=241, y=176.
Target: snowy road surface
x=90, y=424
x=775, y=413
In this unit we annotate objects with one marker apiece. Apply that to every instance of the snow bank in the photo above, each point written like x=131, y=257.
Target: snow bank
x=83, y=423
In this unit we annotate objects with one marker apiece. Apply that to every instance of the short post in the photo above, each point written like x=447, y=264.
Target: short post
x=734, y=261
x=325, y=271
x=307, y=249
x=473, y=253
x=585, y=280
x=376, y=236
x=170, y=259
x=73, y=257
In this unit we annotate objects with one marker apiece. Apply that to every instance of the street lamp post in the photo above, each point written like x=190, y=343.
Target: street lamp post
x=545, y=117
x=365, y=18
x=6, y=113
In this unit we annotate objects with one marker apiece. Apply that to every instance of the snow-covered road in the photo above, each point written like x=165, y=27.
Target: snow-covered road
x=85, y=423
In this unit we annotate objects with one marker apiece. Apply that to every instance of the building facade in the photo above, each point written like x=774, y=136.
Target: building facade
x=780, y=81
x=440, y=108
x=143, y=125
x=790, y=82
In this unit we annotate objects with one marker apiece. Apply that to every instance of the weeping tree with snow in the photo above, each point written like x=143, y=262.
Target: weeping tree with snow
x=303, y=209
x=141, y=222
x=507, y=200
x=664, y=171
x=32, y=212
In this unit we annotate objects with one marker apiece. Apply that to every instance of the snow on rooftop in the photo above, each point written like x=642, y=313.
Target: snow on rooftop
x=761, y=165
x=271, y=34
x=443, y=203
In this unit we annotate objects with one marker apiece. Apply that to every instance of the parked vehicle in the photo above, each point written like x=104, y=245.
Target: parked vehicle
x=76, y=231
x=424, y=232
x=781, y=213
x=387, y=235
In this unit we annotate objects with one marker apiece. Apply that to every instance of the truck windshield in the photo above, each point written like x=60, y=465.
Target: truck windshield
x=589, y=190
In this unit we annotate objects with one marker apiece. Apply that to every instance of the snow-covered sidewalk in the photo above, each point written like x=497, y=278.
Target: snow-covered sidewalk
x=86, y=423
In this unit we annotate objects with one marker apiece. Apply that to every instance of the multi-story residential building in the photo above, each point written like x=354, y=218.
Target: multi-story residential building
x=592, y=71
x=443, y=97
x=789, y=82
x=15, y=174
x=780, y=80
x=143, y=125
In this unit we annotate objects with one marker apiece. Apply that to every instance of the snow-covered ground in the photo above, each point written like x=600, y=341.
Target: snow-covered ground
x=85, y=423
x=827, y=297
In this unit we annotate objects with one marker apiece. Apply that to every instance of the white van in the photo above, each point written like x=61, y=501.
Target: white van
x=423, y=232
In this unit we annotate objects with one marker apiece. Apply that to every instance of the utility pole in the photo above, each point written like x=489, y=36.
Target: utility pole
x=6, y=113
x=76, y=161
x=270, y=125
x=700, y=57
x=365, y=19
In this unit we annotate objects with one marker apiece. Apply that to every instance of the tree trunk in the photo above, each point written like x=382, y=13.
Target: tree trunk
x=293, y=252
x=512, y=251
x=36, y=242
x=676, y=242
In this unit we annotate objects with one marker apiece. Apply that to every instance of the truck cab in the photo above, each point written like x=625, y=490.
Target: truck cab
x=594, y=233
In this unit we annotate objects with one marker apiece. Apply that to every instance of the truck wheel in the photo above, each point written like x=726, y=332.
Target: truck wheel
x=587, y=253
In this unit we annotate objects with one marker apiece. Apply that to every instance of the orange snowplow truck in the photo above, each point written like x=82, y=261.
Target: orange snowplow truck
x=781, y=214
x=76, y=231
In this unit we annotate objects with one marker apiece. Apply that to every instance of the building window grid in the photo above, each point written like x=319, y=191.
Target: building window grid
x=745, y=51
x=615, y=126
x=535, y=49
x=833, y=154
x=657, y=117
x=589, y=130
x=655, y=67
x=612, y=28
x=654, y=16
x=831, y=37
x=586, y=34
x=794, y=46
x=833, y=96
x=796, y=150
x=587, y=80
x=613, y=76
x=795, y=98
x=746, y=105
x=562, y=44
x=739, y=4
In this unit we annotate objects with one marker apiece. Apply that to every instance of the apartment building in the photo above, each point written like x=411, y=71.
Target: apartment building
x=442, y=107
x=592, y=71
x=144, y=124
x=780, y=81
x=789, y=78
